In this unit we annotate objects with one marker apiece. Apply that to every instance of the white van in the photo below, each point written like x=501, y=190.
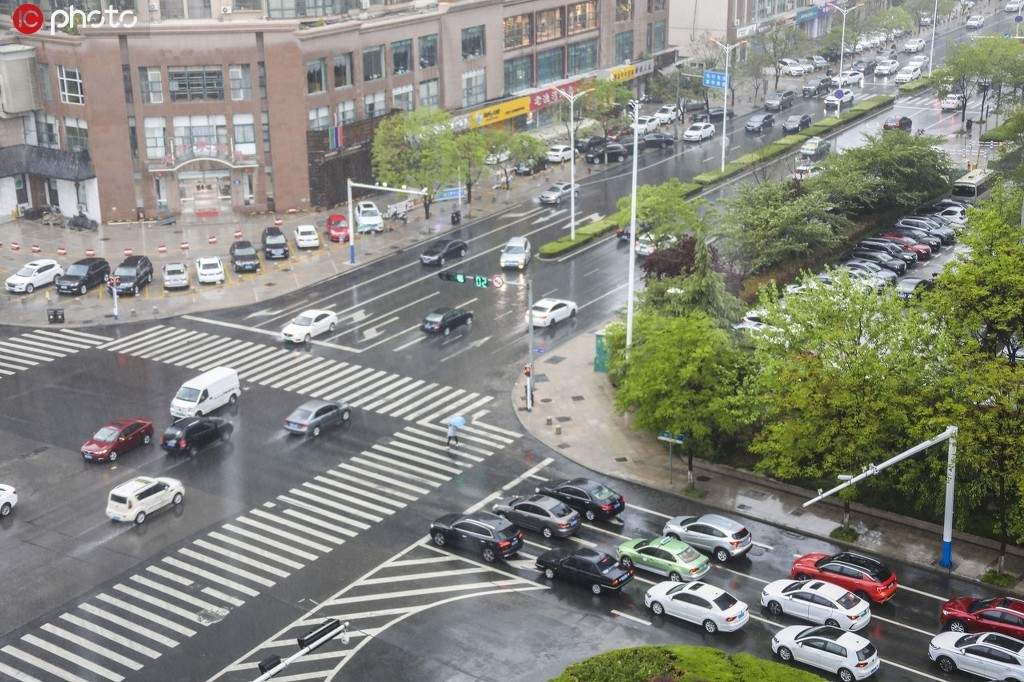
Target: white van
x=209, y=391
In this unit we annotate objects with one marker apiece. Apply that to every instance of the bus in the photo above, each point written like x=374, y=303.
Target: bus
x=972, y=186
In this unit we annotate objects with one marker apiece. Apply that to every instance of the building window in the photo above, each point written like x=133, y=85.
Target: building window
x=241, y=82
x=200, y=135
x=428, y=51
x=195, y=83
x=70, y=81
x=474, y=90
x=655, y=5
x=401, y=57
x=133, y=140
x=430, y=93
x=623, y=10
x=518, y=31
x=656, y=36
x=403, y=98
x=373, y=63
x=126, y=79
x=261, y=70
x=373, y=105
x=623, y=47
x=550, y=24
x=316, y=76
x=582, y=16
x=43, y=76
x=199, y=9
x=265, y=123
x=582, y=57
x=46, y=131
x=319, y=118
x=518, y=74
x=244, y=134
x=151, y=85
x=550, y=65
x=172, y=9
x=343, y=70
x=473, y=42
x=346, y=112
x=155, y=146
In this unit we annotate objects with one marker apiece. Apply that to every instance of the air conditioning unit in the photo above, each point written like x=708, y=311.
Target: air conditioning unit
x=226, y=9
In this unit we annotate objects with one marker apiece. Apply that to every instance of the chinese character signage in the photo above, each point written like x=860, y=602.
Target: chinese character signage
x=714, y=79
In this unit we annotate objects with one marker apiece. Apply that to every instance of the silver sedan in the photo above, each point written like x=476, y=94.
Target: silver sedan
x=540, y=513
x=723, y=538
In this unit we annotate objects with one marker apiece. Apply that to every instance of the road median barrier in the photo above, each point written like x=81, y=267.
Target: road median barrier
x=584, y=235
x=914, y=86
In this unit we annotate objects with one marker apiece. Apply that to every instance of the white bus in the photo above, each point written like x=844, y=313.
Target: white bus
x=972, y=186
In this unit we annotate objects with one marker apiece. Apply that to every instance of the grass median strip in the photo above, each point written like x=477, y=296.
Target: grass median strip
x=584, y=235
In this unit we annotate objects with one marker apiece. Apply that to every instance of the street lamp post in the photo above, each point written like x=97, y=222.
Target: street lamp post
x=842, y=40
x=572, y=160
x=351, y=223
x=725, y=92
x=931, y=53
x=635, y=105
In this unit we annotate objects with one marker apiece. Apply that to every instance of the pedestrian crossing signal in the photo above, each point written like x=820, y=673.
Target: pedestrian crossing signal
x=481, y=281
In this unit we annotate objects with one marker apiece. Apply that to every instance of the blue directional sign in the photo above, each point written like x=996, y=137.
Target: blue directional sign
x=714, y=79
x=1019, y=18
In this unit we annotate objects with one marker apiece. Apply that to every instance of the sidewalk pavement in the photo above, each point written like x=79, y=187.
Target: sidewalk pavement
x=574, y=414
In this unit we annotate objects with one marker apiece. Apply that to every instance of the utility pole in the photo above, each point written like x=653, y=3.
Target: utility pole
x=931, y=53
x=635, y=104
x=572, y=159
x=842, y=40
x=725, y=92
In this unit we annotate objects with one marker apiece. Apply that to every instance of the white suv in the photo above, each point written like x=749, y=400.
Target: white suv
x=844, y=654
x=816, y=601
x=141, y=496
x=209, y=270
x=711, y=607
x=8, y=499
x=990, y=655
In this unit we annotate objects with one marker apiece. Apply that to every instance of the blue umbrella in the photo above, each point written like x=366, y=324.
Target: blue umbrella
x=458, y=421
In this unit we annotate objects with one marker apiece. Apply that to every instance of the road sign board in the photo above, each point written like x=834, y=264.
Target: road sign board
x=838, y=94
x=497, y=281
x=714, y=79
x=1017, y=19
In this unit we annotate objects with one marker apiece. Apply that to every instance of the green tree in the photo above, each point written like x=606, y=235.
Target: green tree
x=679, y=376
x=662, y=210
x=780, y=42
x=965, y=64
x=416, y=149
x=772, y=223
x=890, y=170
x=605, y=104
x=842, y=376
x=472, y=150
x=892, y=19
x=919, y=9
x=750, y=73
x=509, y=148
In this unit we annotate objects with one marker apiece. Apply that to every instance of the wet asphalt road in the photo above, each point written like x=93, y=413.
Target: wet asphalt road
x=207, y=587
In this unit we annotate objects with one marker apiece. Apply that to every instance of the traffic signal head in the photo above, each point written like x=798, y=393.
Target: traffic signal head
x=452, y=276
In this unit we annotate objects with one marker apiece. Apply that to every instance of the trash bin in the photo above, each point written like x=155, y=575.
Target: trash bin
x=600, y=352
x=55, y=315
x=456, y=217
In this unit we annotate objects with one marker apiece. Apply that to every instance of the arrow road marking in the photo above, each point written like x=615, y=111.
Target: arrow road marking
x=264, y=313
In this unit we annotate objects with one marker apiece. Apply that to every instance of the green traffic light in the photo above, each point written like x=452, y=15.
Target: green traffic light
x=460, y=278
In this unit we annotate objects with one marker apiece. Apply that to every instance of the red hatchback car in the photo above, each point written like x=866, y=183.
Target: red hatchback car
x=867, y=578
x=336, y=228
x=970, y=614
x=117, y=438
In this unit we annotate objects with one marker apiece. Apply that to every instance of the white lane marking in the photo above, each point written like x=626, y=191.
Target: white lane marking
x=216, y=563
x=223, y=597
x=470, y=346
x=762, y=546
x=649, y=511
x=410, y=343
x=388, y=338
x=17, y=674
x=372, y=321
x=603, y=530
x=633, y=618
x=539, y=478
x=921, y=592
x=92, y=646
x=911, y=670
x=212, y=577
x=161, y=603
x=41, y=664
x=144, y=613
x=592, y=272
x=426, y=574
x=576, y=252
x=265, y=332
x=741, y=574
x=240, y=558
x=604, y=295
x=112, y=636
x=903, y=625
x=380, y=596
x=484, y=502
x=132, y=626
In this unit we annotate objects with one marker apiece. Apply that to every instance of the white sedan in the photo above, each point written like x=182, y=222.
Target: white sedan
x=845, y=97
x=209, y=270
x=8, y=499
x=816, y=601
x=34, y=274
x=710, y=607
x=989, y=655
x=558, y=153
x=850, y=78
x=368, y=217
x=914, y=45
x=306, y=237
x=548, y=312
x=308, y=325
x=952, y=102
x=975, y=21
x=844, y=654
x=699, y=131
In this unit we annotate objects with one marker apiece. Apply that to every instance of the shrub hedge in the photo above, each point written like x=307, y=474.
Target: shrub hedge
x=679, y=663
x=1001, y=133
x=584, y=234
x=914, y=86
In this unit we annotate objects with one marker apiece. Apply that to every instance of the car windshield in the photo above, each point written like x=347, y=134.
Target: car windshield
x=696, y=128
x=560, y=510
x=541, y=308
x=369, y=211
x=603, y=493
x=245, y=251
x=979, y=604
x=78, y=270
x=275, y=239
x=724, y=601
x=687, y=554
x=26, y=272
x=303, y=321
x=300, y=415
x=188, y=395
x=867, y=652
x=848, y=601
x=175, y=270
x=106, y=435
x=513, y=249
x=433, y=317
x=209, y=265
x=606, y=563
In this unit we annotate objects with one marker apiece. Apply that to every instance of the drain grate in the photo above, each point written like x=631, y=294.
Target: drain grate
x=577, y=398
x=555, y=359
x=540, y=378
x=269, y=284
x=545, y=400
x=563, y=419
x=797, y=512
x=563, y=446
x=703, y=479
x=755, y=494
x=622, y=459
x=743, y=507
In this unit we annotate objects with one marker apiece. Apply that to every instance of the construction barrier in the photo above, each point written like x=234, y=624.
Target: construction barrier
x=278, y=222
x=238, y=234
x=212, y=239
x=61, y=251
x=15, y=246
x=36, y=249
x=184, y=246
x=162, y=249
x=128, y=252
x=89, y=253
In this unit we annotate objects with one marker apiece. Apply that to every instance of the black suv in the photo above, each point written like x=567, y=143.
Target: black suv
x=132, y=274
x=613, y=151
x=444, y=320
x=82, y=275
x=532, y=166
x=191, y=434
x=817, y=86
x=588, y=144
x=782, y=99
x=489, y=534
x=275, y=244
x=244, y=257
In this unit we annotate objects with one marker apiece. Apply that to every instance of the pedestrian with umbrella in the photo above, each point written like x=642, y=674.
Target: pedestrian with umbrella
x=454, y=424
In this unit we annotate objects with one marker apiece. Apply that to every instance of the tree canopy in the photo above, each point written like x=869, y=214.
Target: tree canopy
x=416, y=149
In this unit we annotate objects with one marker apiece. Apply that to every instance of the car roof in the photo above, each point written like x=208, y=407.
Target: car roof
x=121, y=422
x=314, y=311
x=486, y=518
x=39, y=262
x=88, y=261
x=241, y=244
x=702, y=589
x=271, y=230
x=717, y=519
x=549, y=302
x=543, y=501
x=175, y=264
x=441, y=311
x=1011, y=644
x=208, y=259
x=826, y=589
x=516, y=241
x=314, y=404
x=134, y=485
x=589, y=554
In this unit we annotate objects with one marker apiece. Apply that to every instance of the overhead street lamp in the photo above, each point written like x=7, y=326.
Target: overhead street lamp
x=931, y=53
x=572, y=159
x=725, y=91
x=842, y=40
x=352, y=229
x=635, y=106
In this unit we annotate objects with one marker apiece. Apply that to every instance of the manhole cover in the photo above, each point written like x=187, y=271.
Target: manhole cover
x=563, y=419
x=743, y=507
x=286, y=269
x=545, y=400
x=622, y=459
x=563, y=446
x=104, y=239
x=703, y=479
x=577, y=398
x=555, y=359
x=540, y=378
x=269, y=284
x=40, y=449
x=756, y=494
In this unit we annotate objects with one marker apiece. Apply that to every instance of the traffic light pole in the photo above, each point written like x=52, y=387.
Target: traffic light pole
x=529, y=353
